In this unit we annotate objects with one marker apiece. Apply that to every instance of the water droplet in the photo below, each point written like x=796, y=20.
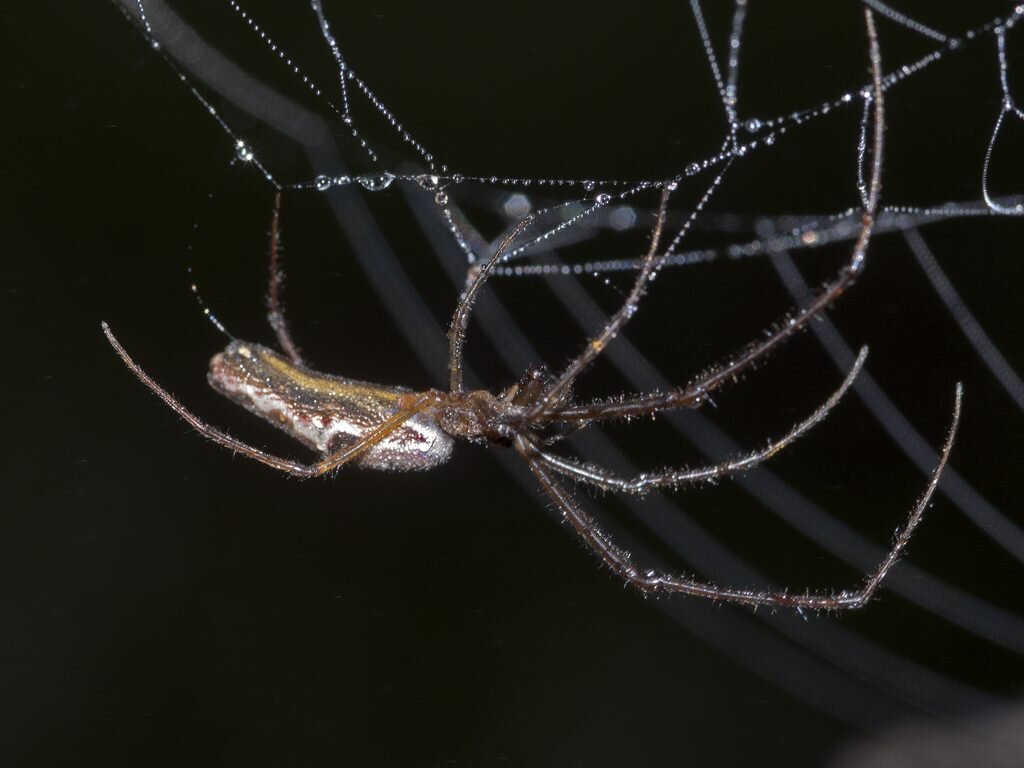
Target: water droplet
x=441, y=198
x=243, y=152
x=672, y=185
x=323, y=182
x=347, y=119
x=603, y=199
x=692, y=169
x=753, y=125
x=428, y=181
x=588, y=186
x=375, y=182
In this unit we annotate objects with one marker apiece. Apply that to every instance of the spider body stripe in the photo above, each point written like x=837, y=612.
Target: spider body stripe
x=325, y=412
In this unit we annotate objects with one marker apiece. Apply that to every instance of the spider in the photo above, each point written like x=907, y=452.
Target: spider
x=393, y=428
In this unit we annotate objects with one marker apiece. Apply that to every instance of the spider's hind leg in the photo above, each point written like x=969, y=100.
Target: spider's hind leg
x=275, y=286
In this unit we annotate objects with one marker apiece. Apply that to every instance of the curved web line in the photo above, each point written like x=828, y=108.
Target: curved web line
x=987, y=350
x=1008, y=108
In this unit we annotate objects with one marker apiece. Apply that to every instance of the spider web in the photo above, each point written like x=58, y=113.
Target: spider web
x=360, y=149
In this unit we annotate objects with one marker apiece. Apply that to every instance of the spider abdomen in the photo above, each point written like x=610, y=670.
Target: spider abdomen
x=327, y=413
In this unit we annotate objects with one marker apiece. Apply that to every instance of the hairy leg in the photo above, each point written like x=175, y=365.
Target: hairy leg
x=652, y=582
x=606, y=480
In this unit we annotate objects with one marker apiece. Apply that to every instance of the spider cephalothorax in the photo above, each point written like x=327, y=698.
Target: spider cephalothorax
x=484, y=418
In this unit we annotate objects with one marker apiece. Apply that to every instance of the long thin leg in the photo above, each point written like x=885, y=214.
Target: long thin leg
x=785, y=328
x=651, y=582
x=617, y=321
x=328, y=464
x=624, y=407
x=275, y=306
x=693, y=395
x=673, y=478
x=460, y=319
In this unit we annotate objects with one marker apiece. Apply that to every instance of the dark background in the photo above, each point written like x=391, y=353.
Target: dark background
x=164, y=603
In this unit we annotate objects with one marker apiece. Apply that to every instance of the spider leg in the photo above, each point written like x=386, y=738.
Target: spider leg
x=460, y=319
x=789, y=324
x=695, y=394
x=298, y=469
x=627, y=407
x=651, y=581
x=692, y=396
x=275, y=306
x=617, y=321
x=673, y=478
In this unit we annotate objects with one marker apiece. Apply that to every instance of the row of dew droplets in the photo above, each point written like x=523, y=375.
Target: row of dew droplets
x=726, y=86
x=759, y=132
x=383, y=179
x=345, y=76
x=1008, y=108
